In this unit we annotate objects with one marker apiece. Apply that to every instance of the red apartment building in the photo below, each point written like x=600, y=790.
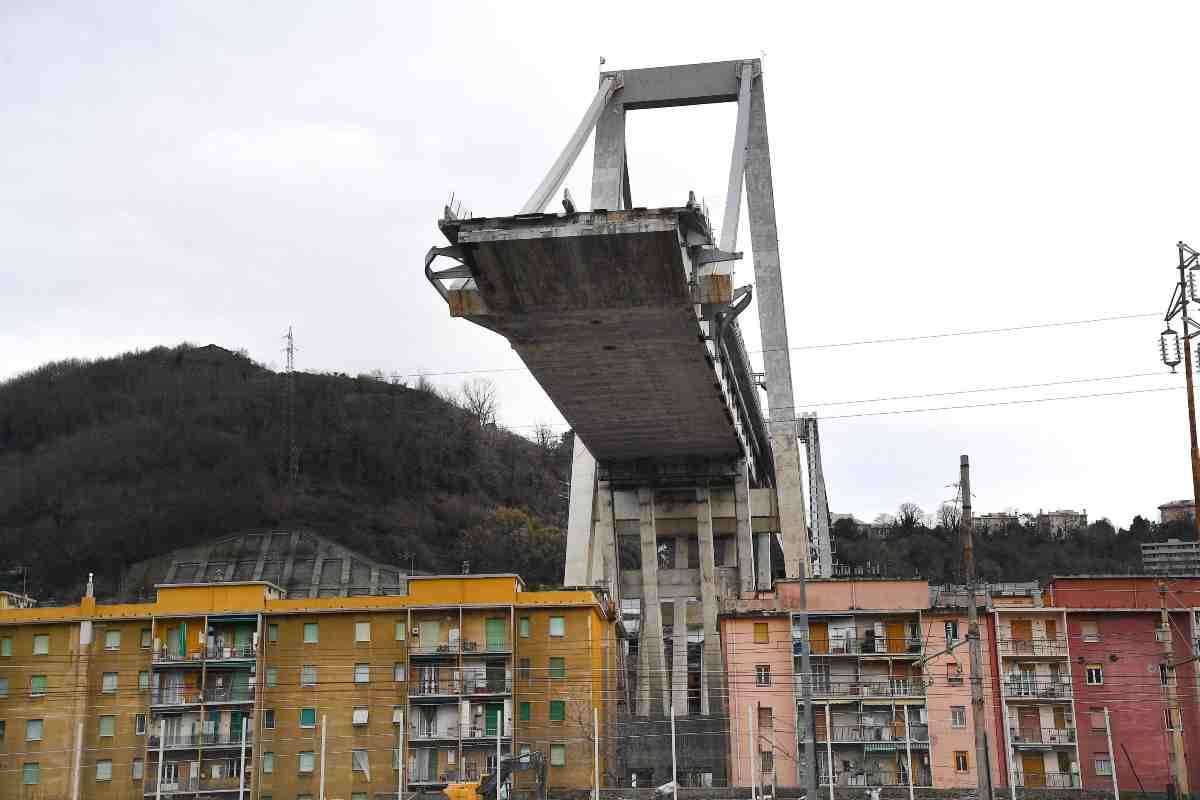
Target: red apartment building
x=1113, y=626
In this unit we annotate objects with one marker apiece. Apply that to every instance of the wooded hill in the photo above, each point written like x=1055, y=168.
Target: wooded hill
x=107, y=462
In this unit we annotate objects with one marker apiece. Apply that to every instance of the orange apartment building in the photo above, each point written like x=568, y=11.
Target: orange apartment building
x=228, y=690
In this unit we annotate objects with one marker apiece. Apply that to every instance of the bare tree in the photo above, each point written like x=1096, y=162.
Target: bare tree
x=479, y=400
x=544, y=437
x=909, y=516
x=949, y=516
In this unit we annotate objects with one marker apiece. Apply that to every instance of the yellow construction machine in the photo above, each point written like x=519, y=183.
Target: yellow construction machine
x=485, y=788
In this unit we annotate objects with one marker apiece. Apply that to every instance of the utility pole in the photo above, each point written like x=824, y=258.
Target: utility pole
x=291, y=452
x=1188, y=284
x=1178, y=764
x=982, y=773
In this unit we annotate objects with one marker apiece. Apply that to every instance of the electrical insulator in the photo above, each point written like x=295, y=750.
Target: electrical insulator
x=1168, y=348
x=1194, y=285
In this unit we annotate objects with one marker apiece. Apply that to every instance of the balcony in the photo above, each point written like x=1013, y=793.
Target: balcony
x=487, y=685
x=447, y=687
x=170, y=655
x=1037, y=689
x=477, y=734
x=175, y=697
x=425, y=733
x=243, y=653
x=434, y=777
x=190, y=741
x=920, y=778
x=1049, y=780
x=435, y=650
x=229, y=695
x=1033, y=648
x=499, y=648
x=1042, y=737
x=894, y=687
x=851, y=646
x=191, y=785
x=855, y=734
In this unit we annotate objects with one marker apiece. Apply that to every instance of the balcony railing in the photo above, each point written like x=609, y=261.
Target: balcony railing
x=442, y=687
x=421, y=732
x=1049, y=780
x=894, y=687
x=1033, y=647
x=172, y=654
x=230, y=653
x=874, y=733
x=1042, y=735
x=1037, y=688
x=920, y=778
x=435, y=649
x=191, y=740
x=487, y=685
x=190, y=784
x=435, y=776
x=850, y=646
x=487, y=647
x=229, y=695
x=478, y=732
x=175, y=697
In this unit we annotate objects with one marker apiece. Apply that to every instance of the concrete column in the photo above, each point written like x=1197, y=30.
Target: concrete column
x=679, y=659
x=643, y=669
x=262, y=556
x=289, y=564
x=605, y=566
x=762, y=560
x=772, y=320
x=609, y=175
x=652, y=629
x=712, y=700
x=745, y=540
x=345, y=579
x=579, y=517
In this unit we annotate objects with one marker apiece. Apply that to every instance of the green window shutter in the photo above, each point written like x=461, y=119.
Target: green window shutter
x=526, y=711
x=308, y=717
x=497, y=635
x=491, y=723
x=558, y=667
x=558, y=710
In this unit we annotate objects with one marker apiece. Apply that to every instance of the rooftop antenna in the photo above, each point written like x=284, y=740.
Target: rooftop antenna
x=91, y=585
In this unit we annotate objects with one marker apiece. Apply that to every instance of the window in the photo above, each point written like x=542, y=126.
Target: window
x=762, y=674
x=523, y=627
x=268, y=763
x=951, y=631
x=145, y=639
x=37, y=685
x=1163, y=675
x=31, y=773
x=397, y=715
x=958, y=716
x=362, y=673
x=358, y=796
x=526, y=711
x=139, y=724
x=311, y=633
x=3, y=687
x=269, y=719
x=1097, y=716
x=766, y=718
x=33, y=730
x=3, y=729
x=767, y=760
x=272, y=632
x=1090, y=631
x=272, y=677
x=112, y=640
x=398, y=671
x=308, y=718
x=362, y=631
x=558, y=710
x=138, y=769
x=954, y=674
x=359, y=761
x=361, y=715
x=41, y=644
x=104, y=769
x=143, y=681
x=108, y=725
x=306, y=761
x=6, y=646
x=108, y=683
x=558, y=667
x=523, y=669
x=762, y=634
x=401, y=630
x=1169, y=715
x=960, y=761
x=1095, y=674
x=1102, y=764
x=558, y=626
x=308, y=675
x=558, y=755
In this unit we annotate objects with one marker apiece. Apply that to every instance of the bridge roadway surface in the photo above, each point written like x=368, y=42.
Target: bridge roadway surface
x=598, y=306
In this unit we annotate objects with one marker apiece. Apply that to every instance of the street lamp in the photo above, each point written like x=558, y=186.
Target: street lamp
x=1168, y=342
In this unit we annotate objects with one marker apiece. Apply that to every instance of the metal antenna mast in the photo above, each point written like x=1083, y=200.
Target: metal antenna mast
x=291, y=452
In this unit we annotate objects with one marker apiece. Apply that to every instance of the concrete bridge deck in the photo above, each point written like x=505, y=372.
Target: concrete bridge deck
x=602, y=308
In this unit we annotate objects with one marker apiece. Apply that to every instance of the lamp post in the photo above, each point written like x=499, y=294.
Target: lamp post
x=1187, y=288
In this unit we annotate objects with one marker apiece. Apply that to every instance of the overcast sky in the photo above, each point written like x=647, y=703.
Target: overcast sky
x=215, y=172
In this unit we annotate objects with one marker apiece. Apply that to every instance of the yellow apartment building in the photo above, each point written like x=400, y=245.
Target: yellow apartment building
x=227, y=690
